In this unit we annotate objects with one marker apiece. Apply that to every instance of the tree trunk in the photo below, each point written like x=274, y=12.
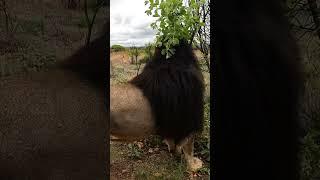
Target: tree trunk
x=6, y=14
x=90, y=22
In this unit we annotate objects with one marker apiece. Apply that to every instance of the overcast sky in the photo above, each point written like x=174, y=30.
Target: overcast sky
x=129, y=25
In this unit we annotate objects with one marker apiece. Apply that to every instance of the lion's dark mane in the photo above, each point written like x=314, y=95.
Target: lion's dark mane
x=256, y=89
x=91, y=62
x=174, y=88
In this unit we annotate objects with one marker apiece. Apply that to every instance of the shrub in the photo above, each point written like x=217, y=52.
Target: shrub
x=148, y=51
x=176, y=20
x=117, y=48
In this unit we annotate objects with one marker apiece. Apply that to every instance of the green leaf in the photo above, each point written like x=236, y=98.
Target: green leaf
x=163, y=52
x=155, y=13
x=148, y=12
x=174, y=21
x=175, y=41
x=171, y=51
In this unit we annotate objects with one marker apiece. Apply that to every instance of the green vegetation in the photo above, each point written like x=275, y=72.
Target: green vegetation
x=172, y=170
x=148, y=51
x=176, y=21
x=117, y=48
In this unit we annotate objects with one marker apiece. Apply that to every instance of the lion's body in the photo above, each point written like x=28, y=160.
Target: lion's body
x=131, y=114
x=52, y=127
x=165, y=99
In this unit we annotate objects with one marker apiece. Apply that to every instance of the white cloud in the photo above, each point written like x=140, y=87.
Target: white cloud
x=129, y=24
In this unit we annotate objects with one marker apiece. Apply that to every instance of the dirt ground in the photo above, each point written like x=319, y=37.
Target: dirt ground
x=148, y=158
x=120, y=58
x=147, y=163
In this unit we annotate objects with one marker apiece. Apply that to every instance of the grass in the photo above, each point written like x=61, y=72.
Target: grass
x=41, y=37
x=161, y=171
x=150, y=163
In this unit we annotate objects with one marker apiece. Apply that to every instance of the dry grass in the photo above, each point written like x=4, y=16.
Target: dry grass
x=32, y=46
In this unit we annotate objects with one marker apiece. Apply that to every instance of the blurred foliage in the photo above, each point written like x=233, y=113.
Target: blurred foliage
x=148, y=51
x=117, y=48
x=310, y=148
x=304, y=25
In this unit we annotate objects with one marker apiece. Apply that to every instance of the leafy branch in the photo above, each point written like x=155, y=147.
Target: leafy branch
x=177, y=20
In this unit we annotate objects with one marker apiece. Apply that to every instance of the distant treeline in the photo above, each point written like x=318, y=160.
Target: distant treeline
x=117, y=47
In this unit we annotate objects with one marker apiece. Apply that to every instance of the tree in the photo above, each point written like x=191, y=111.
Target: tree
x=90, y=21
x=117, y=47
x=315, y=13
x=202, y=39
x=4, y=9
x=304, y=19
x=10, y=21
x=176, y=20
x=134, y=53
x=148, y=50
x=304, y=15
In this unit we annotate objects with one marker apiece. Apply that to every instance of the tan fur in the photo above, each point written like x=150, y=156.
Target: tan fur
x=131, y=119
x=51, y=123
x=131, y=114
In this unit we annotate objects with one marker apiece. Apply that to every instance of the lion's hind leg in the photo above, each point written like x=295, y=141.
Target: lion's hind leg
x=187, y=145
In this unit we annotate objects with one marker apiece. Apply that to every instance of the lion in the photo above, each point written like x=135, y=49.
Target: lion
x=165, y=99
